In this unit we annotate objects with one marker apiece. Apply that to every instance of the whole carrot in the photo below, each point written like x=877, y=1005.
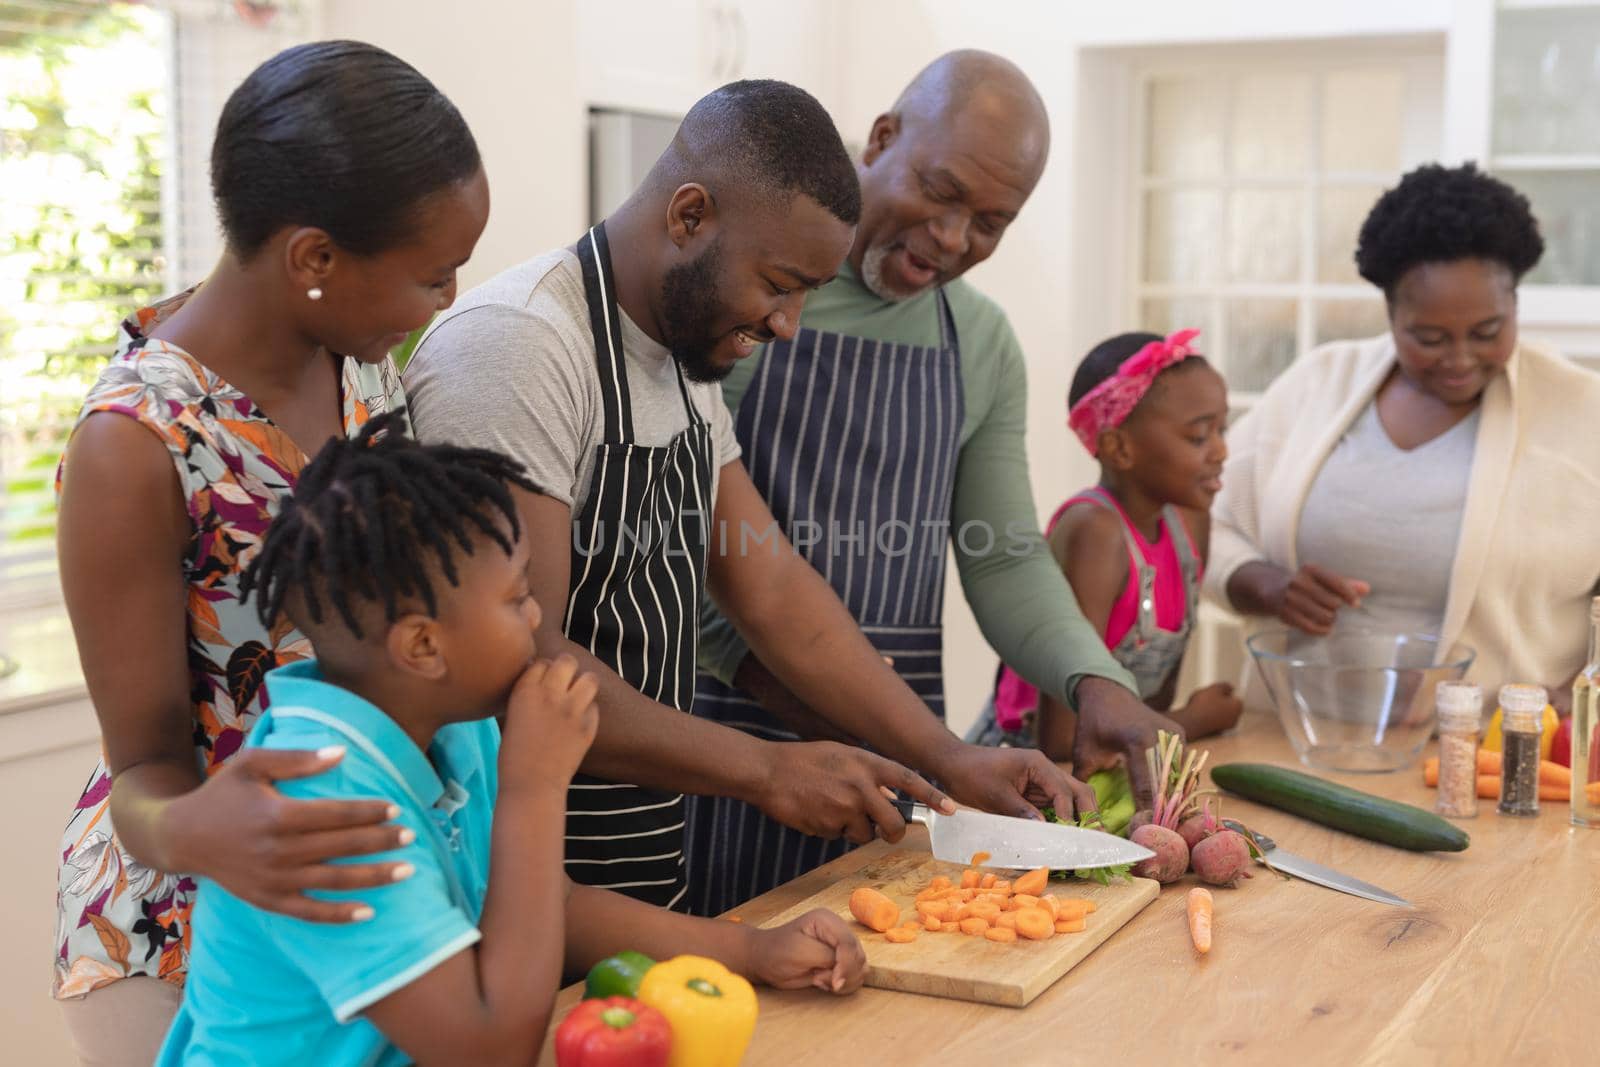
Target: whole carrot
x=1200, y=908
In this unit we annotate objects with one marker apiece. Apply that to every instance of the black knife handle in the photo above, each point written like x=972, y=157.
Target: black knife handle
x=1265, y=843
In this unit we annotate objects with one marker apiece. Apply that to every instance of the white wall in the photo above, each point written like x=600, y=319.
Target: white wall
x=512, y=69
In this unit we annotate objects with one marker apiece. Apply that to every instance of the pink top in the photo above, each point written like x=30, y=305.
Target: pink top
x=1014, y=697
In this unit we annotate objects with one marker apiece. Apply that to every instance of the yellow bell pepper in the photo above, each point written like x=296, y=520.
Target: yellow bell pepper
x=1548, y=725
x=711, y=1009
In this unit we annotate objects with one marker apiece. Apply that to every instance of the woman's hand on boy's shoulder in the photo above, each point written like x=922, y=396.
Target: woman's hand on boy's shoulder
x=267, y=849
x=817, y=949
x=550, y=722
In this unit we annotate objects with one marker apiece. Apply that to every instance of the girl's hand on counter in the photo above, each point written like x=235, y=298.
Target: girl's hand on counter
x=817, y=949
x=268, y=849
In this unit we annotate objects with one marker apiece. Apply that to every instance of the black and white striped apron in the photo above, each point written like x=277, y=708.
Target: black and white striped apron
x=852, y=442
x=638, y=568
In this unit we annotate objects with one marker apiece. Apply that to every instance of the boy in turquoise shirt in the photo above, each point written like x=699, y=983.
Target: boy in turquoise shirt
x=405, y=567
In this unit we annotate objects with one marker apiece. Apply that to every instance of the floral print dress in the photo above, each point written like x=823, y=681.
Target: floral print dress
x=117, y=918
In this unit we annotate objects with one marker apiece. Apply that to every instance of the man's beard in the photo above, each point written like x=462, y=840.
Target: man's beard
x=872, y=275
x=688, y=311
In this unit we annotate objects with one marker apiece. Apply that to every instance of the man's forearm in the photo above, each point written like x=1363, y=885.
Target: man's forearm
x=652, y=745
x=756, y=681
x=813, y=646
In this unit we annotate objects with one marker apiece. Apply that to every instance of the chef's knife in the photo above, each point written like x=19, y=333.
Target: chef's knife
x=1302, y=868
x=1012, y=842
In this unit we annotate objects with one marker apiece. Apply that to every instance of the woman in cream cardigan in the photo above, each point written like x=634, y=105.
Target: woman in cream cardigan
x=1440, y=478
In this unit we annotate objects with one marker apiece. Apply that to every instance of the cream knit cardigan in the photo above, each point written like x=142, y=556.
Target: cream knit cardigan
x=1528, y=553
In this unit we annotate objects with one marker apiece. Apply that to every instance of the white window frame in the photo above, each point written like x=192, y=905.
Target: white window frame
x=205, y=57
x=1306, y=290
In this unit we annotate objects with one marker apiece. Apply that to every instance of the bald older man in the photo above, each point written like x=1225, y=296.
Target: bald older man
x=890, y=427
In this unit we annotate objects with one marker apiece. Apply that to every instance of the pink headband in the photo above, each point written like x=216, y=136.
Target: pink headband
x=1109, y=404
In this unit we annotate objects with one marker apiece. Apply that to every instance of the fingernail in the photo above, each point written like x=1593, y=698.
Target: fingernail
x=407, y=835
x=362, y=914
x=402, y=871
x=331, y=752
x=392, y=811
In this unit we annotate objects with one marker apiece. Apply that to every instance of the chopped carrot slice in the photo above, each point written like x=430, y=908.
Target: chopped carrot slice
x=951, y=928
x=1033, y=883
x=974, y=925
x=1088, y=905
x=1049, y=903
x=1071, y=926
x=980, y=858
x=1002, y=885
x=1035, y=923
x=970, y=879
x=1000, y=933
x=939, y=882
x=1025, y=900
x=988, y=880
x=900, y=935
x=1006, y=920
x=984, y=911
x=932, y=925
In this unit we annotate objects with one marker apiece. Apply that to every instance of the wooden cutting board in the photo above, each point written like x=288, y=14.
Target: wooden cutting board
x=971, y=968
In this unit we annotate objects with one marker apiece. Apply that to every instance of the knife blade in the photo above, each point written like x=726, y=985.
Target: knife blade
x=1310, y=871
x=1022, y=843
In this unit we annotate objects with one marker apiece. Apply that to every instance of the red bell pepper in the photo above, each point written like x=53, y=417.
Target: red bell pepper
x=613, y=1032
x=1561, y=747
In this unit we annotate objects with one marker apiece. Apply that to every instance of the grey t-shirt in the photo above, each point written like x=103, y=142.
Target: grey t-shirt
x=1390, y=517
x=511, y=366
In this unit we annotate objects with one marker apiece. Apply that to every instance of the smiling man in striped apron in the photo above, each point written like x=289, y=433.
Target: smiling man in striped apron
x=595, y=366
x=891, y=426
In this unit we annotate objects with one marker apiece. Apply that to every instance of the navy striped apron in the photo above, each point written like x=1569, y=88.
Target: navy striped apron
x=852, y=442
x=638, y=569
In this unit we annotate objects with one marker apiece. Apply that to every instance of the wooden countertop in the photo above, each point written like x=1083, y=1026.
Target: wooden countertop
x=1499, y=962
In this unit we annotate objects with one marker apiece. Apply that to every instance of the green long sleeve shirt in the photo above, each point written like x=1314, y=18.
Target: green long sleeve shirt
x=1021, y=600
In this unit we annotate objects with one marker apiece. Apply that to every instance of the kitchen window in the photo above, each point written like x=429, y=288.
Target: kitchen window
x=1253, y=180
x=105, y=132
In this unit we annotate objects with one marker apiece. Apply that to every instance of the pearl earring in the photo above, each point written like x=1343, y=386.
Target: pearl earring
x=314, y=293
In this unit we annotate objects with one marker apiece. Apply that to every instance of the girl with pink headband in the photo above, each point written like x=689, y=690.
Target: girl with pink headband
x=1133, y=547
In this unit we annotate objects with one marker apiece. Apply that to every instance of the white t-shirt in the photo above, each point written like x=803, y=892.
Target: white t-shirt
x=511, y=366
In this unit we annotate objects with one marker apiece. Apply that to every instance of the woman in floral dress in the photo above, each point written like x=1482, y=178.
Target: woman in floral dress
x=350, y=191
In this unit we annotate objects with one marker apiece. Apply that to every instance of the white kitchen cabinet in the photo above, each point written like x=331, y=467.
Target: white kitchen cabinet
x=663, y=55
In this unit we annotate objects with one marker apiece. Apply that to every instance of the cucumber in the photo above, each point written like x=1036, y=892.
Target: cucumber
x=1341, y=807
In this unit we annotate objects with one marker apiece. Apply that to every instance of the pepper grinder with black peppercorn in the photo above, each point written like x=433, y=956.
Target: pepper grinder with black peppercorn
x=1523, y=713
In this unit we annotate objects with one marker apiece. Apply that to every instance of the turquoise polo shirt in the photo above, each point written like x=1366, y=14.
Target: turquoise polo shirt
x=266, y=989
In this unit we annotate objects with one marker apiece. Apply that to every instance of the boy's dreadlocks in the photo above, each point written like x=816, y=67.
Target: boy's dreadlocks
x=367, y=512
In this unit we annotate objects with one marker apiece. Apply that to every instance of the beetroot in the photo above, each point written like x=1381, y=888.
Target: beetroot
x=1196, y=828
x=1171, y=857
x=1142, y=817
x=1221, y=858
